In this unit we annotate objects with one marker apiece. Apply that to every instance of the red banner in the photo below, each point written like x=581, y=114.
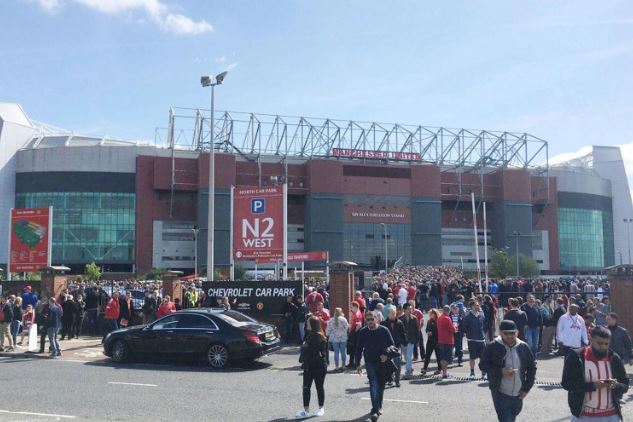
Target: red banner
x=297, y=257
x=29, y=250
x=258, y=223
x=376, y=155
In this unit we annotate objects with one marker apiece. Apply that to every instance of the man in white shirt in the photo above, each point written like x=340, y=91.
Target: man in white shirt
x=402, y=295
x=571, y=331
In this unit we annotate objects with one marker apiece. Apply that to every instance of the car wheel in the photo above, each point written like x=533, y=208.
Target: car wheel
x=120, y=351
x=218, y=356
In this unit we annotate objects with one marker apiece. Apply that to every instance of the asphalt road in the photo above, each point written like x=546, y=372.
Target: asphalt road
x=267, y=390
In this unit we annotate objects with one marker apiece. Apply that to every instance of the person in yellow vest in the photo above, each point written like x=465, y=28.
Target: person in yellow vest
x=191, y=298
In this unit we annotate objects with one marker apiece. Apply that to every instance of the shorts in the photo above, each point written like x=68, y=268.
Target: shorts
x=475, y=349
x=446, y=352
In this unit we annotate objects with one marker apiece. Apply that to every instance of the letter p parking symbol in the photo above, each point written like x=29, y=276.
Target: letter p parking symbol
x=258, y=206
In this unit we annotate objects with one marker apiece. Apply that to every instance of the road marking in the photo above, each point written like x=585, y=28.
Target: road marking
x=132, y=383
x=399, y=401
x=38, y=414
x=74, y=360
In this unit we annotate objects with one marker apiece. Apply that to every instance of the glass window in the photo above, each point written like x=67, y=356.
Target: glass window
x=88, y=226
x=196, y=321
x=586, y=239
x=364, y=243
x=167, y=323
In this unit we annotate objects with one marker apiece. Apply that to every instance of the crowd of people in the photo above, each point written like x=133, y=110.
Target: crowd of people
x=506, y=327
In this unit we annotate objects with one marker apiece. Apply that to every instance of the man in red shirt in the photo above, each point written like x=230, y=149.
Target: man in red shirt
x=356, y=319
x=411, y=292
x=312, y=299
x=596, y=380
x=358, y=298
x=112, y=311
x=323, y=314
x=445, y=339
x=166, y=307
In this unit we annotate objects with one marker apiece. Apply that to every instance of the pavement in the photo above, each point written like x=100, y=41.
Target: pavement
x=83, y=387
x=84, y=349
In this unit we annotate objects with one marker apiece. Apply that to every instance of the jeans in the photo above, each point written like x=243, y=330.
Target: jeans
x=93, y=320
x=52, y=338
x=340, y=348
x=408, y=358
x=318, y=376
x=376, y=385
x=15, y=329
x=507, y=407
x=431, y=347
x=531, y=337
x=459, y=346
x=302, y=331
x=111, y=325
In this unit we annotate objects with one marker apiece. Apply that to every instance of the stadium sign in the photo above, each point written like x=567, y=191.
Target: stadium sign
x=30, y=239
x=376, y=155
x=258, y=223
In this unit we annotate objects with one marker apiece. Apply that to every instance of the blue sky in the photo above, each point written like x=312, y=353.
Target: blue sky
x=558, y=70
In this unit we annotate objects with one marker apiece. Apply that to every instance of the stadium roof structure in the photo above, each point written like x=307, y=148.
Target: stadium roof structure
x=255, y=135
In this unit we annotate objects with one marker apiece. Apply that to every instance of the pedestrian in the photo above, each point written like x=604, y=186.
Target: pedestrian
x=17, y=319
x=290, y=310
x=41, y=317
x=419, y=346
x=312, y=299
x=571, y=331
x=337, y=333
x=302, y=311
x=518, y=316
x=6, y=318
x=602, y=311
x=431, y=342
x=457, y=317
x=511, y=370
x=53, y=325
x=412, y=335
x=112, y=311
x=474, y=327
x=28, y=319
x=80, y=309
x=92, y=309
x=355, y=324
x=28, y=297
x=313, y=361
x=166, y=307
x=126, y=310
x=620, y=339
x=534, y=323
x=69, y=311
x=445, y=339
x=372, y=344
x=399, y=336
x=149, y=307
x=595, y=380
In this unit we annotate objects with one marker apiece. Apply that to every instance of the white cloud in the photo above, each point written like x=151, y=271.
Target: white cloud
x=155, y=10
x=51, y=6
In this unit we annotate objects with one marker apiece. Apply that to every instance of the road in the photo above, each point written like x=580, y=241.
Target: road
x=268, y=390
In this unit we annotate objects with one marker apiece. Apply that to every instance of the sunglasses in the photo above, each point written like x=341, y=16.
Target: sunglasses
x=369, y=319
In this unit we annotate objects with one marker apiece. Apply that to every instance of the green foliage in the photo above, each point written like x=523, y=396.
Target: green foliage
x=528, y=267
x=501, y=265
x=154, y=274
x=239, y=272
x=92, y=272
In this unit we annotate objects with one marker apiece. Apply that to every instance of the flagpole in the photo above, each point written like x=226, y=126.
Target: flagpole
x=472, y=197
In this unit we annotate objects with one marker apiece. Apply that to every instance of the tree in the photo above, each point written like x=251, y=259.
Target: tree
x=528, y=267
x=154, y=274
x=239, y=272
x=92, y=272
x=501, y=265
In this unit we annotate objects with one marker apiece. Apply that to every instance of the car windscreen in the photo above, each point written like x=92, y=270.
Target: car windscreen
x=235, y=318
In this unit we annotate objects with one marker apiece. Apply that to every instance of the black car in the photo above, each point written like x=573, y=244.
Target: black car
x=215, y=335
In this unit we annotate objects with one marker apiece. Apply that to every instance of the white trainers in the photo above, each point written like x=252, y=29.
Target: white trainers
x=302, y=414
x=320, y=412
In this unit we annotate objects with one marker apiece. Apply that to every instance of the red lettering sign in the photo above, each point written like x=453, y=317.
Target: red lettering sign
x=258, y=223
x=30, y=246
x=376, y=155
x=298, y=257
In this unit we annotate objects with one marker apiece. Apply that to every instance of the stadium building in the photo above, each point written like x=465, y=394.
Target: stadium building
x=355, y=189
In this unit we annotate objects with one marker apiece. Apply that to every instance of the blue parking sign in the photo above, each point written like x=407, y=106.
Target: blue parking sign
x=258, y=205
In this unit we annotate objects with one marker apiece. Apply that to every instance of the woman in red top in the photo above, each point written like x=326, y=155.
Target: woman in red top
x=166, y=307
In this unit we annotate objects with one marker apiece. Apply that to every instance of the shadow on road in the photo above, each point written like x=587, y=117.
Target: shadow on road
x=183, y=366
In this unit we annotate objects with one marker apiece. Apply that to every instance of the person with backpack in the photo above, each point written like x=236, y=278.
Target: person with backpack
x=314, y=351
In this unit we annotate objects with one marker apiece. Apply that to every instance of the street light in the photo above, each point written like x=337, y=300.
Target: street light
x=516, y=235
x=628, y=222
x=211, y=81
x=384, y=226
x=620, y=253
x=195, y=252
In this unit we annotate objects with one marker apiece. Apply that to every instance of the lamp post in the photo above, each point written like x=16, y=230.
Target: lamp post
x=195, y=252
x=628, y=222
x=384, y=226
x=620, y=253
x=516, y=235
x=211, y=81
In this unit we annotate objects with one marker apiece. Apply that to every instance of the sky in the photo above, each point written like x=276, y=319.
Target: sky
x=560, y=71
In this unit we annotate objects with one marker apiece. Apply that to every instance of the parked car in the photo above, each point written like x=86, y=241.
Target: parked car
x=217, y=336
